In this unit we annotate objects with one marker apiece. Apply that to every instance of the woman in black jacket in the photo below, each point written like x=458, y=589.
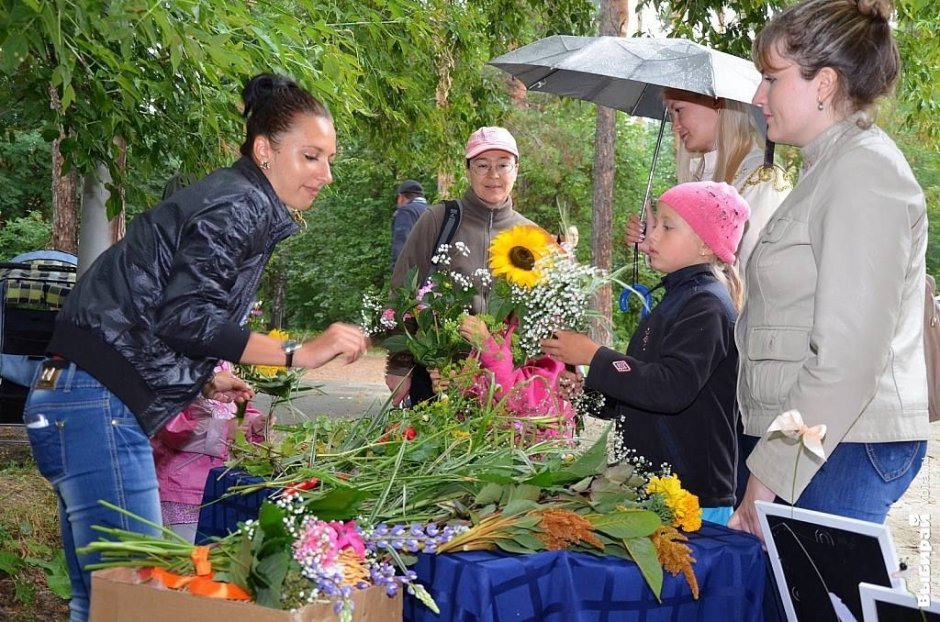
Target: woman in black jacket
x=144, y=327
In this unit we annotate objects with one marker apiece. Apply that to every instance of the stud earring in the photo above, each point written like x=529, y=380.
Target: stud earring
x=265, y=165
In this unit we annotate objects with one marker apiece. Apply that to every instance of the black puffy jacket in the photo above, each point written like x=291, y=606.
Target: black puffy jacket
x=156, y=311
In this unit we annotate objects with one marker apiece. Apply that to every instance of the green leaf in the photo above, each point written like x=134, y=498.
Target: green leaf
x=589, y=463
x=60, y=585
x=267, y=578
x=338, y=504
x=626, y=524
x=644, y=554
x=519, y=506
x=520, y=492
x=9, y=563
x=526, y=539
x=490, y=493
x=13, y=52
x=396, y=343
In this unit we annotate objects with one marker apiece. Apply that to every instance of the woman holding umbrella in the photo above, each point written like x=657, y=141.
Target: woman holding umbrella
x=832, y=384
x=717, y=139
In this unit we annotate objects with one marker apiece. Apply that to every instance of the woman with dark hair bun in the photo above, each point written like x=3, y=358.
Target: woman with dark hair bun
x=832, y=326
x=143, y=329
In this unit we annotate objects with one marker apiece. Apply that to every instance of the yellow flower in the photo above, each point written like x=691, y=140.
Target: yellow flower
x=686, y=512
x=270, y=371
x=669, y=486
x=515, y=252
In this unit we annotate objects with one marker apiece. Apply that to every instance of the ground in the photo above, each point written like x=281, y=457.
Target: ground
x=360, y=386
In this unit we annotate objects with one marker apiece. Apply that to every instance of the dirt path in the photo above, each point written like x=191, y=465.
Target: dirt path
x=370, y=369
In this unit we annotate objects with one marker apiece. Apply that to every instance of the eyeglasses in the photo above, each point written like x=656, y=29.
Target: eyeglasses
x=483, y=168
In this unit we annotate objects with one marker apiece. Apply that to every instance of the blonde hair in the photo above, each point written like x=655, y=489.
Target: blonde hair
x=728, y=274
x=852, y=37
x=737, y=135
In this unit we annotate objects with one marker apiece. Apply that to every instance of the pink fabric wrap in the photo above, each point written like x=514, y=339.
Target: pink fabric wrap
x=530, y=390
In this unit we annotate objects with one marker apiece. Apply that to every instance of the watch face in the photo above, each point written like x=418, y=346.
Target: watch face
x=291, y=346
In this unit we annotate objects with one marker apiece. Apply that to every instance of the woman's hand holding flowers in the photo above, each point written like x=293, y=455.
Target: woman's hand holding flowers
x=346, y=342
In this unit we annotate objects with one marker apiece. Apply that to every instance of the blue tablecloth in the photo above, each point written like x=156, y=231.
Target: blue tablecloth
x=579, y=587
x=562, y=586
x=220, y=514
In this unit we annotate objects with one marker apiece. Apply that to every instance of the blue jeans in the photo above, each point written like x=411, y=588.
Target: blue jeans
x=90, y=447
x=858, y=480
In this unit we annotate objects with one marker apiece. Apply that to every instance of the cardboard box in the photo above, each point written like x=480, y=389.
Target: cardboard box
x=117, y=595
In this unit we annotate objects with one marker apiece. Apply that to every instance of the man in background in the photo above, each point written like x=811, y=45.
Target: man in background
x=410, y=204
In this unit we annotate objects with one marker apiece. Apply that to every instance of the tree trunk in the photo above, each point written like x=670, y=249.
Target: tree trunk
x=613, y=22
x=94, y=238
x=64, y=226
x=278, y=293
x=117, y=224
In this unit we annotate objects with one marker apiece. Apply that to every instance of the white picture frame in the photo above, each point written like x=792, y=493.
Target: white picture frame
x=824, y=585
x=873, y=595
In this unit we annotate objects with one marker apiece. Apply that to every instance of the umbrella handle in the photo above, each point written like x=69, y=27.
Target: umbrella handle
x=649, y=190
x=643, y=293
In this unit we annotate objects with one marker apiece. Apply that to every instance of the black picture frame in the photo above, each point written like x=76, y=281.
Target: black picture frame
x=820, y=559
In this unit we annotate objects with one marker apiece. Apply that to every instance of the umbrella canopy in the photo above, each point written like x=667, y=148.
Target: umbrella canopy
x=628, y=74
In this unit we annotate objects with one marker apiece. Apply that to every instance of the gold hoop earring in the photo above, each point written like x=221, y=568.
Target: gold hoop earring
x=265, y=165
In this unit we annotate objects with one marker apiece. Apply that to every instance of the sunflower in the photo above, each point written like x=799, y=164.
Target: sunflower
x=270, y=371
x=515, y=252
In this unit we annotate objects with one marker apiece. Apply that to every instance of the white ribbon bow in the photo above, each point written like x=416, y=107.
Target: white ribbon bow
x=791, y=424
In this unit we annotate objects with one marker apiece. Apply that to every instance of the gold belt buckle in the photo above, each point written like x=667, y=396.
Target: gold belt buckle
x=49, y=373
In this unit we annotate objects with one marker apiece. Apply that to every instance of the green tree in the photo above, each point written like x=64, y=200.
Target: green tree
x=24, y=174
x=24, y=233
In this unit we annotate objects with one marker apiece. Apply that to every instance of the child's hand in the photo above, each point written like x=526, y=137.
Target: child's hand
x=570, y=347
x=636, y=230
x=227, y=387
x=474, y=330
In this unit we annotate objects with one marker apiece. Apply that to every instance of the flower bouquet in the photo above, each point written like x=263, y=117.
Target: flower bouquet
x=286, y=559
x=427, y=315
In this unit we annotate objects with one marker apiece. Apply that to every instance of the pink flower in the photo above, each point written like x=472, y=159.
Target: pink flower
x=347, y=536
x=388, y=319
x=424, y=290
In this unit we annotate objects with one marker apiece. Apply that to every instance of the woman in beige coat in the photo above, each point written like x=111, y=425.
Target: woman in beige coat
x=833, y=319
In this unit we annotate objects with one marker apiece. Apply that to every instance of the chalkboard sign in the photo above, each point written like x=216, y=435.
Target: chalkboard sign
x=881, y=604
x=820, y=559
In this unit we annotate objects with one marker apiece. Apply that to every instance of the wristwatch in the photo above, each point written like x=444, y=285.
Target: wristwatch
x=290, y=346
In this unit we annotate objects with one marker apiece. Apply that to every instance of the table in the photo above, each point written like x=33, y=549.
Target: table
x=579, y=587
x=220, y=514
x=561, y=586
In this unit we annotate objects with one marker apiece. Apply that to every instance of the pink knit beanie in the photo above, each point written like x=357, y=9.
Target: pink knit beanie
x=714, y=210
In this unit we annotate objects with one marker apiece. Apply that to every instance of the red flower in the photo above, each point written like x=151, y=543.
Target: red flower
x=305, y=485
x=410, y=434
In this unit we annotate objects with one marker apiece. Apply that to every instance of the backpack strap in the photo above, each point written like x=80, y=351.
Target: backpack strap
x=449, y=226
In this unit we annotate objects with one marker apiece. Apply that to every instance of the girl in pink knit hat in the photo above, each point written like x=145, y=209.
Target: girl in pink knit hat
x=672, y=394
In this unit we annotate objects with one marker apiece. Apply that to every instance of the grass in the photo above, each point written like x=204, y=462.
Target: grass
x=33, y=576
